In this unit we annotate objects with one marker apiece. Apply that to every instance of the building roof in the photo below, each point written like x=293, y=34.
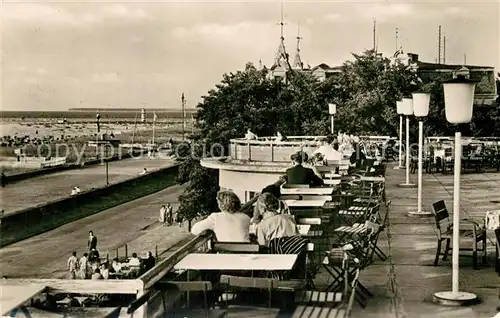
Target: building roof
x=436, y=66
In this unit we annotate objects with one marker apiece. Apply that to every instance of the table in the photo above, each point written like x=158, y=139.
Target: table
x=332, y=181
x=267, y=262
x=305, y=203
x=373, y=179
x=308, y=191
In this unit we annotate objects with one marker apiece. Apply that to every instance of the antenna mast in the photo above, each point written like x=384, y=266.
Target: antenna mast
x=439, y=46
x=374, y=35
x=183, y=101
x=444, y=50
x=397, y=39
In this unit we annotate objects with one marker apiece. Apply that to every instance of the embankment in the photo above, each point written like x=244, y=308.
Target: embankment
x=36, y=220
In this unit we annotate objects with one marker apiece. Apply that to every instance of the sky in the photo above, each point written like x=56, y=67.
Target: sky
x=60, y=54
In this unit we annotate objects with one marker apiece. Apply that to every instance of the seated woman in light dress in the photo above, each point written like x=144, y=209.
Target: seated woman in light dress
x=229, y=225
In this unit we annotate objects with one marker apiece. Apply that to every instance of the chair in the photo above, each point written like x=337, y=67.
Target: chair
x=317, y=197
x=290, y=185
x=232, y=283
x=468, y=229
x=192, y=286
x=289, y=197
x=235, y=247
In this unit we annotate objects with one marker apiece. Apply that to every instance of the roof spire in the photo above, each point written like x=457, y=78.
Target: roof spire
x=297, y=62
x=281, y=58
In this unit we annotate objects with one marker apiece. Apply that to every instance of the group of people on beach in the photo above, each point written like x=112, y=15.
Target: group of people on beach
x=167, y=216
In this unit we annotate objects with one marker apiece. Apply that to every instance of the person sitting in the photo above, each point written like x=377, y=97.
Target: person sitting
x=93, y=255
x=250, y=135
x=143, y=172
x=357, y=156
x=259, y=209
x=104, y=270
x=280, y=137
x=116, y=265
x=97, y=274
x=299, y=174
x=274, y=224
x=149, y=262
x=329, y=150
x=229, y=225
x=73, y=191
x=134, y=260
x=77, y=189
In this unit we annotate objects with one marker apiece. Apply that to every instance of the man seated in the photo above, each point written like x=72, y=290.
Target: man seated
x=299, y=174
x=149, y=262
x=93, y=255
x=229, y=225
x=274, y=224
x=357, y=156
x=250, y=135
x=134, y=260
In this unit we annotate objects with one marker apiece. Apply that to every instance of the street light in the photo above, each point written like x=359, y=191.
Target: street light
x=420, y=109
x=407, y=111
x=458, y=101
x=399, y=110
x=332, y=109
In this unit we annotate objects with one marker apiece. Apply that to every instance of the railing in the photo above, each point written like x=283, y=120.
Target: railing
x=270, y=150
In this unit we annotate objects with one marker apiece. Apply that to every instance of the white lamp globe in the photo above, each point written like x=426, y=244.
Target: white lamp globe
x=332, y=109
x=399, y=107
x=459, y=99
x=407, y=106
x=421, y=104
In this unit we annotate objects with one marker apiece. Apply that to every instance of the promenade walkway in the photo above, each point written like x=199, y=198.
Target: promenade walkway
x=133, y=223
x=403, y=285
x=46, y=188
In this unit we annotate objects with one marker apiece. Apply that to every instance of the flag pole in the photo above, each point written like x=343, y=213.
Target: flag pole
x=154, y=124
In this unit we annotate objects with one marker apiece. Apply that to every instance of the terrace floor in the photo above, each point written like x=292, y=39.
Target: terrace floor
x=403, y=285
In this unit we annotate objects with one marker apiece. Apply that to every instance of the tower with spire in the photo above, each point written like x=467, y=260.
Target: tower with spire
x=297, y=61
x=281, y=62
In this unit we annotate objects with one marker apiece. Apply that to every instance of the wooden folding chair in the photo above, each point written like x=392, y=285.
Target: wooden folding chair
x=468, y=229
x=235, y=247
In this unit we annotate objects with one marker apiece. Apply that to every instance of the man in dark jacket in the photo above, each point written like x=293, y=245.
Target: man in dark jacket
x=299, y=174
x=92, y=242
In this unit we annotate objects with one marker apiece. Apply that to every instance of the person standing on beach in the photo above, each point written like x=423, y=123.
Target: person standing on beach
x=72, y=266
x=163, y=214
x=92, y=242
x=169, y=213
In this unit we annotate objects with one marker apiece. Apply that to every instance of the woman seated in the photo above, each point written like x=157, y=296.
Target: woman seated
x=229, y=225
x=274, y=223
x=279, y=233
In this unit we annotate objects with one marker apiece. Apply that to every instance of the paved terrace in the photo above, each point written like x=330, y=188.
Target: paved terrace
x=50, y=187
x=403, y=285
x=133, y=223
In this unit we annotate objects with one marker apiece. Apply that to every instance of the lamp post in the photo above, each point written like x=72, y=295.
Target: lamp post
x=407, y=111
x=399, y=110
x=458, y=101
x=332, y=109
x=420, y=109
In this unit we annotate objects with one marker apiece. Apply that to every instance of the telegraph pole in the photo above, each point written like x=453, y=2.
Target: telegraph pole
x=183, y=101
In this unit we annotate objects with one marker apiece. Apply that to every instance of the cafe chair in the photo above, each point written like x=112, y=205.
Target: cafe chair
x=235, y=247
x=469, y=230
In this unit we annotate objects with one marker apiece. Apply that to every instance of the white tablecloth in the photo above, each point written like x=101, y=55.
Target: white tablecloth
x=268, y=262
